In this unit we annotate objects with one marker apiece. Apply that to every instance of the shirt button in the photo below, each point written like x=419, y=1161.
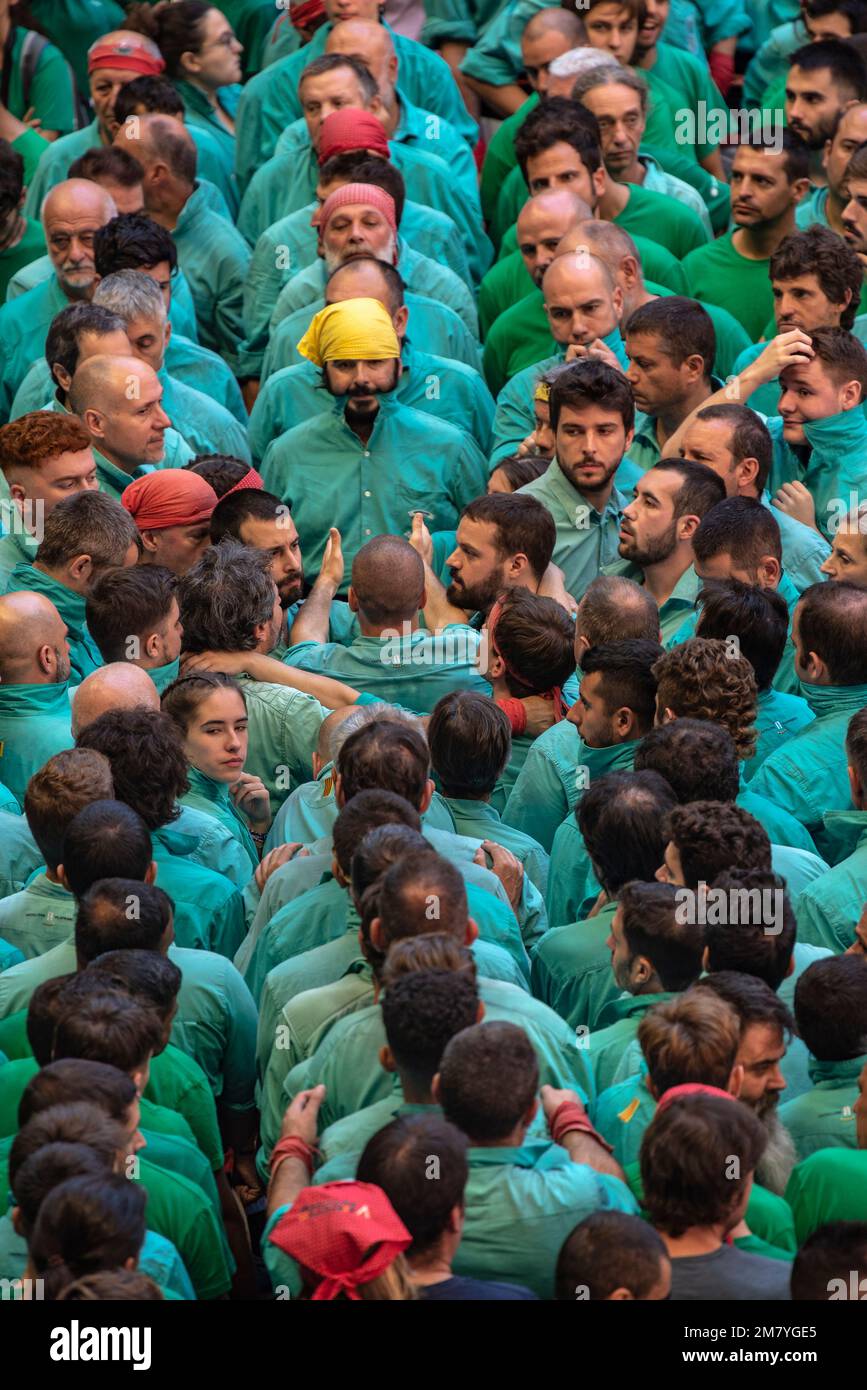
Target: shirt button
x=367, y=531
x=367, y=453
x=367, y=492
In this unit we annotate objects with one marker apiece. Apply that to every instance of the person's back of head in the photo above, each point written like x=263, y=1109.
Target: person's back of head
x=388, y=755
x=59, y=1143
x=612, y=1255
x=831, y=627
x=364, y=813
x=626, y=684
x=84, y=1225
x=531, y=640
x=46, y=1169
x=620, y=817
x=470, y=741
x=698, y=759
x=11, y=179
x=399, y=1158
x=121, y=914
x=687, y=1176
x=421, y=1013
x=705, y=838
x=831, y=1264
x=376, y=852
x=831, y=1008
x=226, y=596
x=105, y=839
x=657, y=947
x=387, y=585
x=126, y=607
x=91, y=525
x=743, y=534
x=135, y=739
x=132, y=241
x=615, y=608
x=757, y=934
x=74, y=1081
x=690, y=1040
x=757, y=617
x=224, y=472
x=65, y=784
x=148, y=976
x=700, y=679
x=753, y=1001
x=487, y=1082
x=421, y=892
x=124, y=1285
x=105, y=1025
x=43, y=1011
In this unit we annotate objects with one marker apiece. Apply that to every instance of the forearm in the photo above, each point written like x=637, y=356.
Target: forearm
x=329, y=692
x=737, y=389
x=314, y=615
x=290, y=1178
x=504, y=100
x=583, y=1148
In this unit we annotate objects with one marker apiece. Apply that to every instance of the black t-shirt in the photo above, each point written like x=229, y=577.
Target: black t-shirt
x=461, y=1289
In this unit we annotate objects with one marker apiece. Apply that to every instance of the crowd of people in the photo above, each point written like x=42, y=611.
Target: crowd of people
x=433, y=650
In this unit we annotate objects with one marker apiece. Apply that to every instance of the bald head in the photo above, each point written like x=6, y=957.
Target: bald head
x=117, y=686
x=546, y=37
x=581, y=299
x=387, y=582
x=72, y=214
x=118, y=400
x=614, y=609
x=543, y=222
x=33, y=648
x=165, y=149
x=372, y=43
x=107, y=381
x=130, y=41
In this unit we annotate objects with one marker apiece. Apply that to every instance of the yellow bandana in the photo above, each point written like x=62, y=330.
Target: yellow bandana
x=358, y=330
x=542, y=391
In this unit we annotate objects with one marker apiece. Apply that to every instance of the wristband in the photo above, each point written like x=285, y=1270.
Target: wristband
x=568, y=1117
x=293, y=1146
x=516, y=713
x=722, y=70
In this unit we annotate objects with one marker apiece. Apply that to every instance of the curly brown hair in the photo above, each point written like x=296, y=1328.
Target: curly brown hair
x=32, y=439
x=701, y=679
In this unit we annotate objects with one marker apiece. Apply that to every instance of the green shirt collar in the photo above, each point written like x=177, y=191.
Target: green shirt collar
x=631, y=1006
x=573, y=501
x=69, y=604
x=838, y=434
x=115, y=479
x=837, y=1073
x=826, y=700
x=533, y=1153
x=208, y=787
x=36, y=699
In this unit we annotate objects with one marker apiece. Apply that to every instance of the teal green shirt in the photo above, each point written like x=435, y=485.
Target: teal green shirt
x=207, y=426
x=158, y=1259
x=209, y=909
x=200, y=115
x=214, y=258
x=38, y=918
x=586, y=539
x=213, y=798
x=835, y=465
x=572, y=971
x=411, y=669
x=113, y=480
x=830, y=1185
x=307, y=814
x=546, y=788
x=17, y=547
x=779, y=716
x=572, y=885
x=19, y=856
x=411, y=462
x=481, y=820
x=617, y=1028
x=824, y=1117
x=163, y=676
x=283, y=731
x=829, y=908
x=437, y=386
x=24, y=324
x=808, y=776
x=34, y=725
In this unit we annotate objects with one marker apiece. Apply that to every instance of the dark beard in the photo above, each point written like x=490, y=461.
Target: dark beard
x=478, y=598
x=654, y=551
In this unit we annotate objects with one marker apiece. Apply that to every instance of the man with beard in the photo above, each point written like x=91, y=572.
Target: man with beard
x=72, y=214
x=172, y=510
x=854, y=215
x=671, y=347
x=655, y=953
x=825, y=205
x=368, y=464
x=591, y=413
x=362, y=219
x=822, y=79
x=656, y=531
x=584, y=308
x=34, y=687
x=767, y=183
x=139, y=603
x=767, y=1029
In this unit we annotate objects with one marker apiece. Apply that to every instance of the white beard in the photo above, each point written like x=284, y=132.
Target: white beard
x=776, y=1163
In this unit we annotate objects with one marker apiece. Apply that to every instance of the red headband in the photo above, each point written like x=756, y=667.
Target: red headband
x=368, y=194
x=302, y=15
x=351, y=129
x=348, y=1233
x=690, y=1088
x=554, y=693
x=251, y=479
x=125, y=56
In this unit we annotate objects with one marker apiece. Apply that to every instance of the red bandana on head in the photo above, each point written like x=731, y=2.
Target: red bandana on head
x=348, y=1233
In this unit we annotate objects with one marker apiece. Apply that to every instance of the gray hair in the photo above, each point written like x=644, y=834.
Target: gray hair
x=131, y=294
x=367, y=714
x=226, y=594
x=578, y=60
x=609, y=75
x=87, y=524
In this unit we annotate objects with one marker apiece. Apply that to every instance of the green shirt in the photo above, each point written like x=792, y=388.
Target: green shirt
x=808, y=775
x=572, y=884
x=114, y=480
x=209, y=909
x=411, y=462
x=778, y=717
x=437, y=386
x=586, y=539
x=283, y=731
x=34, y=725
x=411, y=669
x=213, y=798
x=39, y=917
x=24, y=324
x=158, y=1259
x=31, y=245
x=208, y=427
x=830, y=1185
x=307, y=814
x=481, y=820
x=572, y=971
x=829, y=908
x=214, y=258
x=718, y=271
x=547, y=785
x=51, y=93
x=83, y=651
x=824, y=1117
x=617, y=1028
x=767, y=1215
x=199, y=114
x=833, y=473
x=19, y=856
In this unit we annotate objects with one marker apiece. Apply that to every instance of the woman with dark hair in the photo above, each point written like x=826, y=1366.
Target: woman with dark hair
x=210, y=711
x=86, y=1225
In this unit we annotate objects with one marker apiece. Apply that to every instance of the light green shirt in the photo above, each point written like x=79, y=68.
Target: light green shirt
x=39, y=917
x=411, y=462
x=34, y=725
x=830, y=1185
x=19, y=856
x=824, y=1117
x=411, y=669
x=572, y=970
x=586, y=539
x=213, y=799
x=479, y=819
x=215, y=258
x=283, y=732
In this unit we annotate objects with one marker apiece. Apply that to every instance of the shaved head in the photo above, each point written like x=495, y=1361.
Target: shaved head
x=542, y=223
x=388, y=581
x=33, y=649
x=371, y=42
x=553, y=20
x=571, y=271
x=107, y=381
x=121, y=685
x=557, y=201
